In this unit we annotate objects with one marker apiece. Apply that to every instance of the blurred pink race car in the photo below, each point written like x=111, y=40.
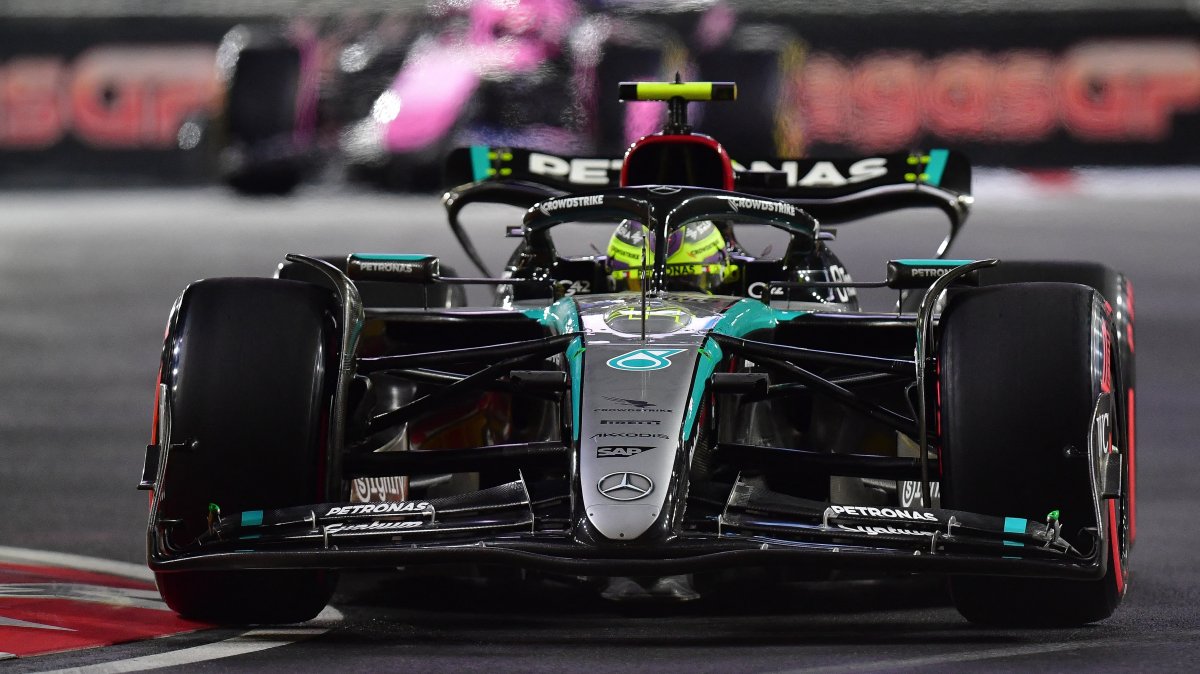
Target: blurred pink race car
x=388, y=101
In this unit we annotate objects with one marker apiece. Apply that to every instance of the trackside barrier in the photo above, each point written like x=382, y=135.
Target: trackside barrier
x=101, y=96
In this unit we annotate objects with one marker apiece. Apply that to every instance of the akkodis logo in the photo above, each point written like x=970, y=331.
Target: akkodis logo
x=643, y=360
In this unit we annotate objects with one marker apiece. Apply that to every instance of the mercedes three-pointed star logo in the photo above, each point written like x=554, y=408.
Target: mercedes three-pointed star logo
x=625, y=486
x=665, y=189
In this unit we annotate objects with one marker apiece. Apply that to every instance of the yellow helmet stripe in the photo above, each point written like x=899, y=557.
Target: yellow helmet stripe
x=628, y=253
x=688, y=91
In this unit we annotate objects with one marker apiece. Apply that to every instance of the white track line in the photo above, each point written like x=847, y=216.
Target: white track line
x=78, y=562
x=247, y=642
x=1185, y=636
x=943, y=659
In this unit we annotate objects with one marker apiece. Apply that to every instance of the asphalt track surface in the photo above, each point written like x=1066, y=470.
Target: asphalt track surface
x=87, y=279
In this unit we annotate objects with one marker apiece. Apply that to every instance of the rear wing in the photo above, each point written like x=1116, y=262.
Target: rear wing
x=832, y=190
x=840, y=190
x=814, y=178
x=565, y=174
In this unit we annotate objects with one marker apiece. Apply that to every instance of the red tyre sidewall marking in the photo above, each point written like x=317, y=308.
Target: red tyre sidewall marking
x=1132, y=441
x=1118, y=571
x=1106, y=386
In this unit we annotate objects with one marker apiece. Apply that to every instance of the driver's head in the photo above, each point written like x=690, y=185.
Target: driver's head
x=696, y=256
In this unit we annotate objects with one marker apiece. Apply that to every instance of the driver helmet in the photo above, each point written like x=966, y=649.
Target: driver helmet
x=696, y=256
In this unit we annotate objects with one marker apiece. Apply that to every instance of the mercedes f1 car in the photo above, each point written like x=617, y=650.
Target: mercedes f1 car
x=673, y=406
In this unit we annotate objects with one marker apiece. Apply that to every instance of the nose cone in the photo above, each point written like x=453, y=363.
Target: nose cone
x=622, y=522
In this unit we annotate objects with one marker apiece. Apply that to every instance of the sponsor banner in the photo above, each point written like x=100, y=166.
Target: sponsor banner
x=392, y=508
x=373, y=489
x=107, y=98
x=885, y=512
x=1103, y=100
x=611, y=451
x=1017, y=88
x=911, y=494
x=370, y=527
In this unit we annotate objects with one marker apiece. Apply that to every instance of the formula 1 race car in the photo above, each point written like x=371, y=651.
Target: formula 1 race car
x=674, y=406
x=386, y=98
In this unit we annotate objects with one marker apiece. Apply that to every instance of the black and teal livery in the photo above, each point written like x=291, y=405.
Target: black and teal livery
x=660, y=431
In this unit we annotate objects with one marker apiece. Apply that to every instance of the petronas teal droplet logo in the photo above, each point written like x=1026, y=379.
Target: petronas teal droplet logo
x=643, y=360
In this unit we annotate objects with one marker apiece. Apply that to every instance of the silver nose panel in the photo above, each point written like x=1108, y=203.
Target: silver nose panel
x=634, y=403
x=622, y=522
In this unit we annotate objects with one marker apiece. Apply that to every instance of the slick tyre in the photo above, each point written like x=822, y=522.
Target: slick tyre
x=1018, y=386
x=261, y=108
x=249, y=365
x=1117, y=291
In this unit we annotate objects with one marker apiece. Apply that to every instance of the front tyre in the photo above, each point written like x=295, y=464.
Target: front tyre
x=249, y=367
x=1019, y=380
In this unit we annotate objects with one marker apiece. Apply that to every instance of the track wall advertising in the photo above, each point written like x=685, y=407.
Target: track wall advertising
x=103, y=101
x=1034, y=89
x=94, y=100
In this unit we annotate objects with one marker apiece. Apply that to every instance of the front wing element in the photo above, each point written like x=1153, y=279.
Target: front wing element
x=504, y=525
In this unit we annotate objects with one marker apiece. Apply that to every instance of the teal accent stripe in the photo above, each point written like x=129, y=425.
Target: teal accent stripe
x=782, y=315
x=249, y=537
x=1015, y=525
x=706, y=364
x=392, y=257
x=575, y=364
x=563, y=317
x=480, y=162
x=937, y=166
x=933, y=262
x=744, y=317
x=252, y=518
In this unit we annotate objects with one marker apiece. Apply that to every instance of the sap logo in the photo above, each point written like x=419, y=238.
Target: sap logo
x=608, y=451
x=575, y=170
x=825, y=174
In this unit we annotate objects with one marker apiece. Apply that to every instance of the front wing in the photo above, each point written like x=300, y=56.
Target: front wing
x=753, y=527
